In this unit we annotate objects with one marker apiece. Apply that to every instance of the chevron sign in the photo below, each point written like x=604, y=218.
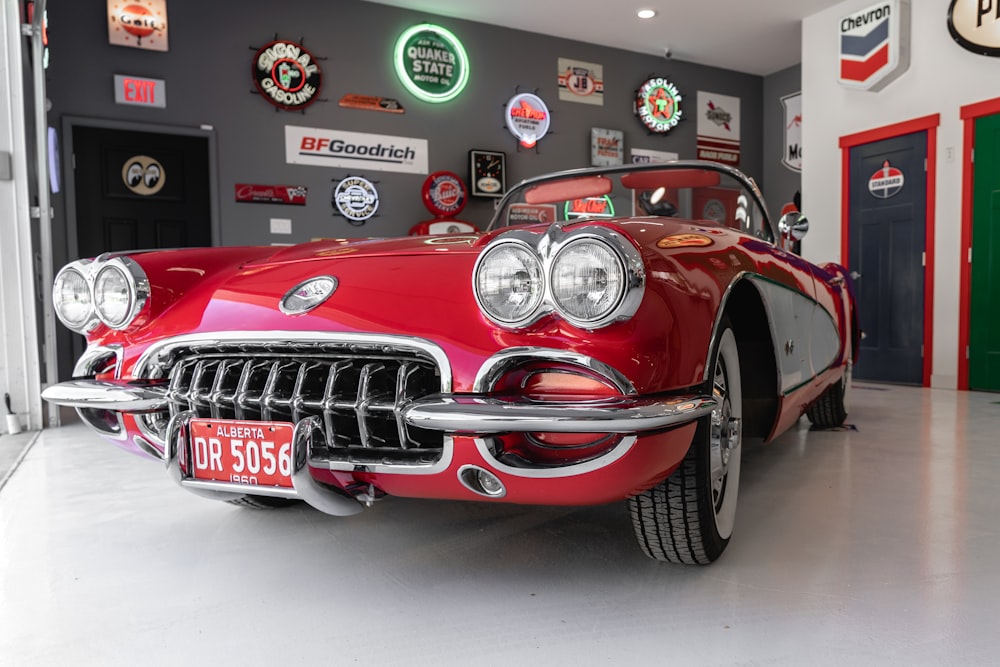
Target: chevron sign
x=875, y=45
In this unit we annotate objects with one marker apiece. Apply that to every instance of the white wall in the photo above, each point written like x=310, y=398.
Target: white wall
x=942, y=77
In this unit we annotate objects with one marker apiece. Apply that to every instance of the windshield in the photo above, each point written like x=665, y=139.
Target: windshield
x=693, y=190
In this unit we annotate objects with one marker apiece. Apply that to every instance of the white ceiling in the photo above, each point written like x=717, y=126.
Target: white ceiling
x=753, y=36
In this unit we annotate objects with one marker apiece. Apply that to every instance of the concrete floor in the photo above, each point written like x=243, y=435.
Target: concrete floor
x=880, y=546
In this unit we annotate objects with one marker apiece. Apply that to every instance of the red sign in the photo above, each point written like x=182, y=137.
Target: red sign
x=271, y=194
x=140, y=91
x=242, y=452
x=371, y=103
x=444, y=194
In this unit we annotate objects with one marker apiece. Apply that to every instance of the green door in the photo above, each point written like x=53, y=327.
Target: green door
x=984, y=325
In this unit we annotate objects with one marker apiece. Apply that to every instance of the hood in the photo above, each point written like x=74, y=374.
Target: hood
x=326, y=249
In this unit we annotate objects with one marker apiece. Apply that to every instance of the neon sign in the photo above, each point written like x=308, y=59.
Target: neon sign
x=527, y=118
x=659, y=105
x=431, y=63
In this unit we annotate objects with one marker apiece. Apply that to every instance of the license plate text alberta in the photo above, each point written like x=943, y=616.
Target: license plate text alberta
x=242, y=452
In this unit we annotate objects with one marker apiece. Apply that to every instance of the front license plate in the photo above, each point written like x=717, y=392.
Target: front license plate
x=242, y=452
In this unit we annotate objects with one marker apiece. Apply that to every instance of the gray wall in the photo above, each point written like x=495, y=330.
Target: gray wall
x=207, y=73
x=782, y=182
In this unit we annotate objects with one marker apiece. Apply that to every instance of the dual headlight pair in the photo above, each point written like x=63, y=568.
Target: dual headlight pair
x=591, y=277
x=112, y=291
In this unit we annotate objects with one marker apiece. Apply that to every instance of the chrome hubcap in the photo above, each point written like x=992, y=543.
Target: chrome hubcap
x=725, y=436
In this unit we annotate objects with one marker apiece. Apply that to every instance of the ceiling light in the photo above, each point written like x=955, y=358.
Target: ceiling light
x=646, y=13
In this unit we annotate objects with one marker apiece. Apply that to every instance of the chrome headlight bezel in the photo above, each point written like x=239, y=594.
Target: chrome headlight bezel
x=81, y=269
x=607, y=314
x=136, y=284
x=549, y=249
x=516, y=243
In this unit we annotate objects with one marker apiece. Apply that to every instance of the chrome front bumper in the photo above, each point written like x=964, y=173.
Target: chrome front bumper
x=460, y=415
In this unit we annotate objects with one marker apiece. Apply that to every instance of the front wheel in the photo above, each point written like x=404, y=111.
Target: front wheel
x=689, y=517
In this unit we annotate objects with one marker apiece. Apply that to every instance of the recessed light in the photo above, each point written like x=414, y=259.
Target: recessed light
x=646, y=13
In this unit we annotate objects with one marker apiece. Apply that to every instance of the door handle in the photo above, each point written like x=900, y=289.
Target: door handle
x=855, y=275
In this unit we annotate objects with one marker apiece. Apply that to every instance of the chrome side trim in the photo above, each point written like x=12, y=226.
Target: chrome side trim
x=118, y=395
x=484, y=415
x=620, y=450
x=158, y=351
x=494, y=367
x=95, y=359
x=148, y=447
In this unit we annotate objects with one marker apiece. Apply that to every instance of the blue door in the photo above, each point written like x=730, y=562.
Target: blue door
x=887, y=242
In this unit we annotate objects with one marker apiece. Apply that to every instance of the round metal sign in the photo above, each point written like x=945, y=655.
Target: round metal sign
x=444, y=193
x=143, y=175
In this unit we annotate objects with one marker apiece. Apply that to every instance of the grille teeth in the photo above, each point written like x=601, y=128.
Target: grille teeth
x=358, y=393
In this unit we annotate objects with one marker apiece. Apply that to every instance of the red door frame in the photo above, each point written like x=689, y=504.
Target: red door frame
x=847, y=142
x=969, y=113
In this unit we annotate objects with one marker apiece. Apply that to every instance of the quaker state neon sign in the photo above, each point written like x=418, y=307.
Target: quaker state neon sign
x=658, y=103
x=431, y=63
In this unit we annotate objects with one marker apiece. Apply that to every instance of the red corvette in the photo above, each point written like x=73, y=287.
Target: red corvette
x=562, y=357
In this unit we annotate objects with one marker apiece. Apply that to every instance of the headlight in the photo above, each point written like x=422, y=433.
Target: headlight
x=509, y=284
x=120, y=291
x=72, y=299
x=587, y=282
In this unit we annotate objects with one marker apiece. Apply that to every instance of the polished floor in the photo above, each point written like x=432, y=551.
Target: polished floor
x=870, y=547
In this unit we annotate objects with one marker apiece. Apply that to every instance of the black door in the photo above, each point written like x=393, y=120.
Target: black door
x=888, y=195
x=139, y=190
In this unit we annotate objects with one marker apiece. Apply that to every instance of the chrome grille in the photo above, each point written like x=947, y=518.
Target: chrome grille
x=357, y=390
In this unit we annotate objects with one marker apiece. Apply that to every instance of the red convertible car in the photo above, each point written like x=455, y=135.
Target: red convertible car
x=570, y=355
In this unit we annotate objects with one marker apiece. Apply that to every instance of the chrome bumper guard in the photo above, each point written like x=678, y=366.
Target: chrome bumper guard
x=320, y=496
x=452, y=414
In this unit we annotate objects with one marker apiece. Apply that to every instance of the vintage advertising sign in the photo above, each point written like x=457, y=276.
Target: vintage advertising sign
x=141, y=24
x=581, y=82
x=886, y=182
x=875, y=45
x=444, y=194
x=487, y=173
x=607, y=147
x=354, y=150
x=371, y=103
x=140, y=91
x=658, y=104
x=589, y=207
x=646, y=155
x=287, y=75
x=527, y=118
x=144, y=175
x=527, y=214
x=431, y=63
x=271, y=194
x=975, y=25
x=718, y=128
x=356, y=199
x=792, y=151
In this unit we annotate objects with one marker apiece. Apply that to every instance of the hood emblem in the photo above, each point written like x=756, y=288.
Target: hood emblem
x=307, y=295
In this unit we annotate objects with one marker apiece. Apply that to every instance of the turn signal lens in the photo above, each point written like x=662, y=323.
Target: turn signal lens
x=508, y=284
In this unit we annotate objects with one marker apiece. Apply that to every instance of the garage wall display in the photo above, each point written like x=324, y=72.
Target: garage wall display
x=589, y=207
x=271, y=194
x=141, y=24
x=527, y=118
x=646, y=155
x=607, y=147
x=356, y=199
x=371, y=103
x=718, y=128
x=792, y=151
x=658, y=105
x=143, y=175
x=139, y=91
x=581, y=82
x=875, y=45
x=487, y=173
x=333, y=148
x=975, y=25
x=287, y=75
x=431, y=63
x=444, y=194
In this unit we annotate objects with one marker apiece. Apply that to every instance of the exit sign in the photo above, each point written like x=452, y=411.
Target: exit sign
x=140, y=91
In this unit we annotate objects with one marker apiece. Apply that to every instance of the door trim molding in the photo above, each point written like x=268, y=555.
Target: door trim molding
x=70, y=122
x=847, y=142
x=968, y=114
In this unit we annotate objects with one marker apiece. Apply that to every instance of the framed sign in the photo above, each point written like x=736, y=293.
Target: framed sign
x=141, y=24
x=487, y=173
x=607, y=147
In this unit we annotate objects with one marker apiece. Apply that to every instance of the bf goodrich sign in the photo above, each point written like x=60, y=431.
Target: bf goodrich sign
x=355, y=150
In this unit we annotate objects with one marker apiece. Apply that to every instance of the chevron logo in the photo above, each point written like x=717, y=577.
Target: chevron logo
x=871, y=45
